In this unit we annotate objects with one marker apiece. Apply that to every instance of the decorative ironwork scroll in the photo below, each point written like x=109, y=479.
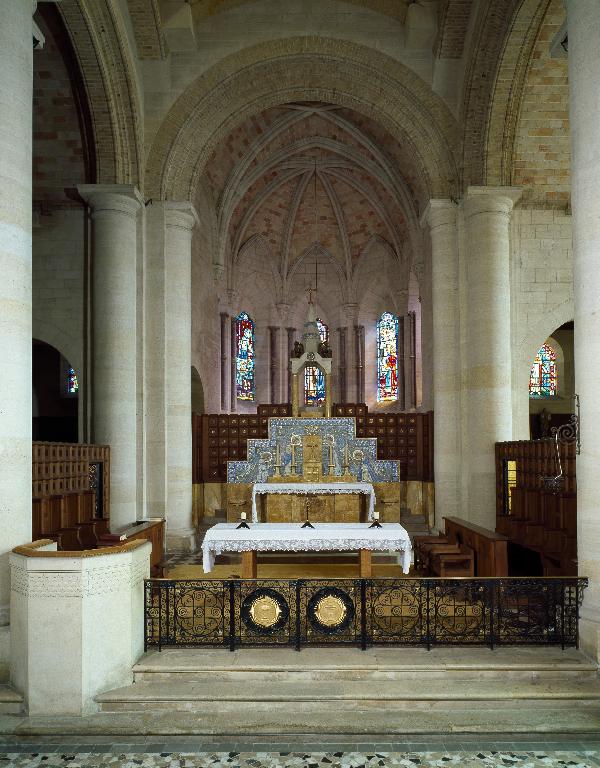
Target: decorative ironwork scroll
x=426, y=612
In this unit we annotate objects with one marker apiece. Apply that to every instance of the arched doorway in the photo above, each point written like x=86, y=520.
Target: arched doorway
x=55, y=395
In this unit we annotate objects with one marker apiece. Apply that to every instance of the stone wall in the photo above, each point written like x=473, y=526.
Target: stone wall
x=542, y=294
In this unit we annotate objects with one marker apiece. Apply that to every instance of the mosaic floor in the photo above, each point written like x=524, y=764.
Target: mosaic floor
x=573, y=758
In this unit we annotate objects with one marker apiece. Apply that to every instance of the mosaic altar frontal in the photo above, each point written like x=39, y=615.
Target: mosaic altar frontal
x=337, y=432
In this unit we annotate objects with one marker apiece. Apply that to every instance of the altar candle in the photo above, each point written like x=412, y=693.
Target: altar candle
x=375, y=515
x=345, y=454
x=243, y=515
x=278, y=454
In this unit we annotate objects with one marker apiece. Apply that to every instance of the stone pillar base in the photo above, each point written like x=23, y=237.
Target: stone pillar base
x=182, y=541
x=589, y=635
x=4, y=653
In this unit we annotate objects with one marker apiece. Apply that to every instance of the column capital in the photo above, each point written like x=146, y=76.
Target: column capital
x=438, y=213
x=283, y=309
x=351, y=312
x=491, y=200
x=119, y=198
x=181, y=215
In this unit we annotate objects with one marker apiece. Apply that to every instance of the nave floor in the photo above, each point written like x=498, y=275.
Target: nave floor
x=505, y=754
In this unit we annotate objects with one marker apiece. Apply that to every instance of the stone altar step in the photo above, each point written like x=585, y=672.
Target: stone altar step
x=245, y=666
x=11, y=702
x=324, y=724
x=347, y=695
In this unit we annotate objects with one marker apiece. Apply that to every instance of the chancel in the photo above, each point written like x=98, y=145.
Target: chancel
x=299, y=323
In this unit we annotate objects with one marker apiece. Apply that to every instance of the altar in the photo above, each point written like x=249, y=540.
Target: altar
x=302, y=509
x=312, y=466
x=323, y=537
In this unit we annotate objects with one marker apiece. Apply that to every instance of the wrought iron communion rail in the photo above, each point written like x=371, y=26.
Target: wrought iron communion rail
x=362, y=612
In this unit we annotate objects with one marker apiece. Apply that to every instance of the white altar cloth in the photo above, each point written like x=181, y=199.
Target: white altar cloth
x=291, y=537
x=313, y=489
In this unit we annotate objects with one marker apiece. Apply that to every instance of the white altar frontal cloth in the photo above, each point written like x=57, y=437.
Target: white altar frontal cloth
x=291, y=537
x=312, y=489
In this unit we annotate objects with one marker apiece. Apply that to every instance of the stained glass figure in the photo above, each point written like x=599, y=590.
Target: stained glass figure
x=543, y=379
x=323, y=330
x=244, y=360
x=387, y=357
x=72, y=383
x=314, y=385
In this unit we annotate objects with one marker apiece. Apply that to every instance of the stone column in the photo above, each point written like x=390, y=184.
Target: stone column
x=290, y=344
x=180, y=219
x=359, y=343
x=342, y=364
x=233, y=347
x=441, y=217
x=584, y=71
x=401, y=364
x=328, y=396
x=15, y=287
x=224, y=317
x=295, y=405
x=273, y=363
x=114, y=211
x=487, y=401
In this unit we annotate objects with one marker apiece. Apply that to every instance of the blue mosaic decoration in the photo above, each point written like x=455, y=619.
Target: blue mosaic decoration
x=362, y=451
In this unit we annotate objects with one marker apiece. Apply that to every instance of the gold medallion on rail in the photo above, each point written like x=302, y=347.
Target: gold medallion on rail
x=265, y=611
x=330, y=611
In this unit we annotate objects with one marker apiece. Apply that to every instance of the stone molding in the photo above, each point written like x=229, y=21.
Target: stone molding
x=113, y=198
x=180, y=215
x=501, y=126
x=71, y=583
x=283, y=71
x=97, y=32
x=499, y=200
x=439, y=213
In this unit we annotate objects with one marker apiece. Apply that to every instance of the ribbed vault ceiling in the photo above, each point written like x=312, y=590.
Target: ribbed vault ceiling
x=305, y=177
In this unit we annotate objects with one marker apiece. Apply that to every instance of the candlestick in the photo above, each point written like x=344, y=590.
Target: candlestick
x=277, y=472
x=331, y=464
x=293, y=467
x=242, y=523
x=375, y=523
x=345, y=465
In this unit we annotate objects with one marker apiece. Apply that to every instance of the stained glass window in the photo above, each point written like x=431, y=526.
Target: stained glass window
x=72, y=383
x=542, y=379
x=314, y=385
x=244, y=361
x=387, y=357
x=323, y=330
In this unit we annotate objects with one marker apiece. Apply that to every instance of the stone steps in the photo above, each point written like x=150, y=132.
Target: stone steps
x=318, y=724
x=348, y=695
x=341, y=690
x=11, y=702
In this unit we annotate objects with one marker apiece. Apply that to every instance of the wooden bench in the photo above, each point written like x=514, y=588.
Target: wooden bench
x=490, y=548
x=152, y=530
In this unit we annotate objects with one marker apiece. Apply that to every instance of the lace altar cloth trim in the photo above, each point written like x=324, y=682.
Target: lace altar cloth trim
x=290, y=537
x=306, y=489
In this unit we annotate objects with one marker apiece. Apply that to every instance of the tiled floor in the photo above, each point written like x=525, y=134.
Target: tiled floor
x=187, y=754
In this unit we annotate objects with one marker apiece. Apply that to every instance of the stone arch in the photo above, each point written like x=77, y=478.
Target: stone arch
x=301, y=69
x=505, y=107
x=98, y=35
x=525, y=353
x=197, y=392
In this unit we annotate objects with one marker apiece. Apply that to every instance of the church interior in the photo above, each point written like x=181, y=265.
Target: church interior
x=299, y=312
